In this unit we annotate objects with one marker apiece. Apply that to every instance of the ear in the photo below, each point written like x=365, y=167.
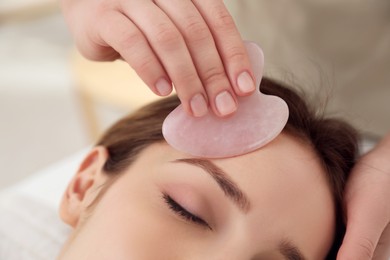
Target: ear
x=82, y=188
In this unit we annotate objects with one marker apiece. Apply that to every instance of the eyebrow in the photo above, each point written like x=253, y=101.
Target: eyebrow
x=234, y=193
x=290, y=251
x=228, y=186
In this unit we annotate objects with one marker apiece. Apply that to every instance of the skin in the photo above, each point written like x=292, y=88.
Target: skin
x=368, y=207
x=286, y=201
x=195, y=45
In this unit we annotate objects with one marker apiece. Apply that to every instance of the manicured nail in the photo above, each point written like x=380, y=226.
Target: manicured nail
x=225, y=103
x=245, y=83
x=163, y=87
x=199, y=105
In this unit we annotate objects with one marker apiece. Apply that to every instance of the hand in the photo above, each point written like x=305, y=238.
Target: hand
x=193, y=44
x=368, y=207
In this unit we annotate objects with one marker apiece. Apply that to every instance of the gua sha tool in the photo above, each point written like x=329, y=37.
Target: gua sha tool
x=257, y=121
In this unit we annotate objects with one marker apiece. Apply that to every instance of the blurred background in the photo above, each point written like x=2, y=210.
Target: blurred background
x=45, y=113
x=40, y=122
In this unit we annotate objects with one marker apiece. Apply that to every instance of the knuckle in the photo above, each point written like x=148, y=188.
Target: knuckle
x=189, y=77
x=224, y=20
x=235, y=54
x=129, y=39
x=105, y=5
x=213, y=74
x=196, y=30
x=141, y=66
x=167, y=35
x=89, y=52
x=186, y=78
x=366, y=248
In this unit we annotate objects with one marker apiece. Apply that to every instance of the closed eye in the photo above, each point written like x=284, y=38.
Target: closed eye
x=183, y=213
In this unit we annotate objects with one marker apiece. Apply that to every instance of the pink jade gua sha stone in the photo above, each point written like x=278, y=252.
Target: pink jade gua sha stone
x=257, y=121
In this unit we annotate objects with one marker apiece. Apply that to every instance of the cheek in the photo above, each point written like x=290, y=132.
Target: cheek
x=126, y=226
x=132, y=222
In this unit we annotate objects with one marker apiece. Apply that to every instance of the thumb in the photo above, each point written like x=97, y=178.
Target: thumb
x=362, y=236
x=357, y=246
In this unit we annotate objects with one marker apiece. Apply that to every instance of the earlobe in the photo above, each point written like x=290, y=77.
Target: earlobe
x=80, y=189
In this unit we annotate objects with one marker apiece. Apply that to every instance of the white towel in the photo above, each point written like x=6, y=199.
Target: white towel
x=29, y=229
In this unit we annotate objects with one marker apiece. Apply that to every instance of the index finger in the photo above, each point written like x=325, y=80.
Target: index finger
x=229, y=44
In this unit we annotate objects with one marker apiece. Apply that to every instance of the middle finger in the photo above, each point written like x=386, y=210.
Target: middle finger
x=170, y=47
x=204, y=53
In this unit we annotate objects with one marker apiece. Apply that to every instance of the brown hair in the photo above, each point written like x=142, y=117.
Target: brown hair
x=334, y=141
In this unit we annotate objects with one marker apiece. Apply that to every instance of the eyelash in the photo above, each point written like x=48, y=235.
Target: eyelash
x=182, y=212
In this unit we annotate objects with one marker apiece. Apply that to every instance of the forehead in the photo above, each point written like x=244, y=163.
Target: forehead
x=286, y=160
x=287, y=185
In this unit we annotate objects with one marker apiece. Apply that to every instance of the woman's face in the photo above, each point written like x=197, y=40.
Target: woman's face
x=273, y=203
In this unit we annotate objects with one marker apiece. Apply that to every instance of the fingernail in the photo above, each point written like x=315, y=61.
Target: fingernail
x=225, y=103
x=163, y=87
x=199, y=105
x=245, y=83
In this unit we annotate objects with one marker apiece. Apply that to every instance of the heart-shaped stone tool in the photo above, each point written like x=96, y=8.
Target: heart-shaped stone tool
x=257, y=121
